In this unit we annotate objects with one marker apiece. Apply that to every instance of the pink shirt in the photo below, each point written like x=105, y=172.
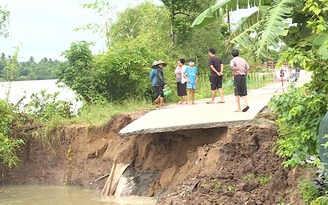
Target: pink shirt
x=239, y=66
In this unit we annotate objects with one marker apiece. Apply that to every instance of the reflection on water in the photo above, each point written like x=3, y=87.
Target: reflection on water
x=62, y=195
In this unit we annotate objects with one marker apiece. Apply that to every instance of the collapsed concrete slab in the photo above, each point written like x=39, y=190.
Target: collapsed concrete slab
x=203, y=116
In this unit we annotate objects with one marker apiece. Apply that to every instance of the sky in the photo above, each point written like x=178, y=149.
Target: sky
x=44, y=28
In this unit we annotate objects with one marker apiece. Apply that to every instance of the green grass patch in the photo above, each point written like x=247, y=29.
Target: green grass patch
x=264, y=178
x=248, y=177
x=99, y=114
x=308, y=191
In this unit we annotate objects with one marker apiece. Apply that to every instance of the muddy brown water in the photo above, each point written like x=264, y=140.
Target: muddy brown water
x=63, y=195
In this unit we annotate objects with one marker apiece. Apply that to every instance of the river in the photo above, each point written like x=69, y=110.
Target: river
x=63, y=195
x=18, y=89
x=58, y=195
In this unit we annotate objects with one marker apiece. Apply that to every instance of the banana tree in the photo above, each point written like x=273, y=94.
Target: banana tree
x=263, y=29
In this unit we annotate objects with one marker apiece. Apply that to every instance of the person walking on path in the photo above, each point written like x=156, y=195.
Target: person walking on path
x=181, y=81
x=191, y=74
x=216, y=73
x=158, y=82
x=240, y=68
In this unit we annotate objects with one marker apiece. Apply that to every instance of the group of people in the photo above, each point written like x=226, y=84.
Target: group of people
x=187, y=79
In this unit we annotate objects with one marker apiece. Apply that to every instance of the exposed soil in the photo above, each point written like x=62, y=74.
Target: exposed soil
x=229, y=165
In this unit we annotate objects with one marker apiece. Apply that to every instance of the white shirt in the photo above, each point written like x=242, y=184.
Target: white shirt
x=183, y=80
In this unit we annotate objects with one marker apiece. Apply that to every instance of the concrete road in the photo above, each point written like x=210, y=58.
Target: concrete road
x=201, y=115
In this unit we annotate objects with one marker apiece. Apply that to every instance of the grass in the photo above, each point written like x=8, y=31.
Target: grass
x=249, y=177
x=264, y=178
x=101, y=113
x=308, y=190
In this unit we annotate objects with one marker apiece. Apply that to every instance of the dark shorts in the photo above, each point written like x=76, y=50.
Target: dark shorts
x=216, y=82
x=181, y=89
x=158, y=90
x=240, y=85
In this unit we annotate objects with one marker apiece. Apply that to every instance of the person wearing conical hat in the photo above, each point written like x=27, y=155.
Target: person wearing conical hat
x=158, y=82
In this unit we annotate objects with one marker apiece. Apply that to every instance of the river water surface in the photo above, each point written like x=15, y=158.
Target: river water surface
x=63, y=195
x=17, y=90
x=53, y=195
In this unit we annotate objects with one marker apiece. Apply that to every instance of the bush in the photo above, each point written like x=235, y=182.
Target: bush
x=299, y=113
x=43, y=107
x=308, y=191
x=9, y=120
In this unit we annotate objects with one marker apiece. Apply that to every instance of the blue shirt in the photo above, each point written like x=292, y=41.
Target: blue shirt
x=157, y=77
x=191, y=74
x=153, y=77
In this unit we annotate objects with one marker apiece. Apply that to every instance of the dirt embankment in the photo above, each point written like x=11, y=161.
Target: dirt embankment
x=230, y=165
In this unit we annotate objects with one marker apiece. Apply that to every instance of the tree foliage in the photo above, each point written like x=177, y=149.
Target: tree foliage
x=303, y=26
x=138, y=37
x=44, y=106
x=106, y=12
x=123, y=71
x=147, y=22
x=192, y=43
x=4, y=21
x=260, y=31
x=79, y=70
x=310, y=54
x=9, y=142
x=182, y=13
x=46, y=68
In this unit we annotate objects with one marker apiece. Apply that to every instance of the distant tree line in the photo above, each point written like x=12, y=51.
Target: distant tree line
x=27, y=70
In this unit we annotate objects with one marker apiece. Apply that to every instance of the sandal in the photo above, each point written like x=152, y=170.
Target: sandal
x=246, y=108
x=209, y=102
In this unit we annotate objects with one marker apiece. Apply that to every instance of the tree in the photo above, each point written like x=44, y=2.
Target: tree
x=302, y=25
x=77, y=72
x=106, y=13
x=146, y=21
x=123, y=71
x=263, y=29
x=2, y=62
x=182, y=13
x=4, y=21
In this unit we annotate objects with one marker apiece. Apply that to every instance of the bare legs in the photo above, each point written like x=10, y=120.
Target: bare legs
x=161, y=101
x=238, y=104
x=221, y=95
x=183, y=99
x=157, y=99
x=213, y=95
x=192, y=93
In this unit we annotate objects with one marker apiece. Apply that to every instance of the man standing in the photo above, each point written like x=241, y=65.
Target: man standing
x=216, y=69
x=240, y=68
